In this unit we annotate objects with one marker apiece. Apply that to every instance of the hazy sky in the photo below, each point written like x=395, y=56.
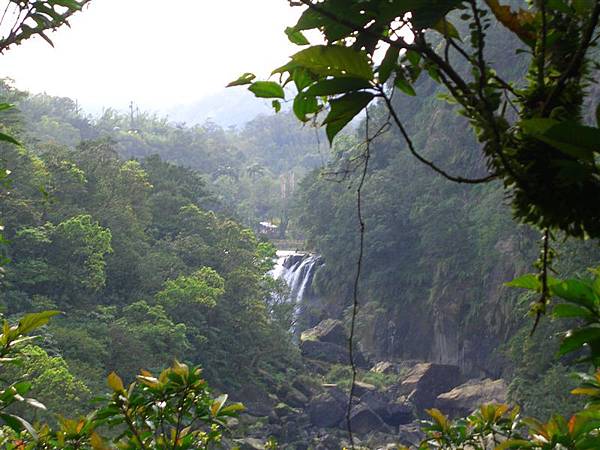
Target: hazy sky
x=157, y=53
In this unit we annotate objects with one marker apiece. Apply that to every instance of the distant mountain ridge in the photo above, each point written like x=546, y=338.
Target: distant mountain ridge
x=229, y=107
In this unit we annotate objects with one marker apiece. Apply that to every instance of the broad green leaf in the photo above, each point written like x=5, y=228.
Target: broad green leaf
x=35, y=320
x=243, y=80
x=565, y=310
x=343, y=110
x=218, y=404
x=438, y=417
x=296, y=37
x=447, y=29
x=267, y=89
x=71, y=4
x=576, y=291
x=7, y=138
x=232, y=409
x=528, y=281
x=515, y=443
x=575, y=140
x=333, y=86
x=336, y=61
x=559, y=5
x=583, y=7
x=402, y=84
x=115, y=382
x=427, y=13
x=304, y=104
x=389, y=63
x=302, y=78
x=576, y=339
x=18, y=423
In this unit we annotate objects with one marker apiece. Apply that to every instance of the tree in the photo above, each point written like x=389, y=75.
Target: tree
x=529, y=150
x=532, y=131
x=534, y=134
x=20, y=21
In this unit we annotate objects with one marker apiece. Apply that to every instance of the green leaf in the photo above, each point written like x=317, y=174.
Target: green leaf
x=343, y=110
x=576, y=291
x=7, y=138
x=427, y=13
x=304, y=104
x=302, y=78
x=515, y=443
x=598, y=115
x=576, y=339
x=5, y=106
x=336, y=61
x=35, y=320
x=528, y=281
x=71, y=4
x=276, y=104
x=583, y=7
x=389, y=63
x=115, y=382
x=575, y=140
x=243, y=80
x=402, y=84
x=267, y=89
x=18, y=424
x=296, y=37
x=565, y=310
x=447, y=29
x=333, y=86
x=559, y=5
x=218, y=403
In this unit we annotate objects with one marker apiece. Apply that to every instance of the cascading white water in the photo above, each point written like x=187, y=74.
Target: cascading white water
x=297, y=271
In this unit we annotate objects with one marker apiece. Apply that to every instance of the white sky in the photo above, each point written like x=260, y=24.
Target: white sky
x=157, y=53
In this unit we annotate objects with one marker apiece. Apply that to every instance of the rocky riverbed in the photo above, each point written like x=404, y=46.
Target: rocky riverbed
x=311, y=413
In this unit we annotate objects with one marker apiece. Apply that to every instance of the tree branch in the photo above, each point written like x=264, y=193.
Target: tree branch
x=413, y=151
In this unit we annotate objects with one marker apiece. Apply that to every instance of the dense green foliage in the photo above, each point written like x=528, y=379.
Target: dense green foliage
x=130, y=251
x=530, y=128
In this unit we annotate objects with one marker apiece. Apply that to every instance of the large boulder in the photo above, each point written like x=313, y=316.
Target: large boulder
x=327, y=410
x=466, y=398
x=385, y=367
x=361, y=388
x=257, y=401
x=391, y=412
x=426, y=381
x=329, y=330
x=324, y=351
x=364, y=420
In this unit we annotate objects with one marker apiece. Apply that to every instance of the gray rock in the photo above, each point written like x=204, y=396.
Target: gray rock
x=385, y=367
x=250, y=444
x=327, y=410
x=391, y=412
x=324, y=351
x=361, y=388
x=464, y=399
x=410, y=434
x=426, y=381
x=364, y=420
x=293, y=397
x=328, y=330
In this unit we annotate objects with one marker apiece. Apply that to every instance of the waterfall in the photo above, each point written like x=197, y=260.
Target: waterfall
x=297, y=270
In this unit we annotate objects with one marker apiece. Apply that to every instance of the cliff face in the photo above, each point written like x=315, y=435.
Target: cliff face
x=437, y=254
